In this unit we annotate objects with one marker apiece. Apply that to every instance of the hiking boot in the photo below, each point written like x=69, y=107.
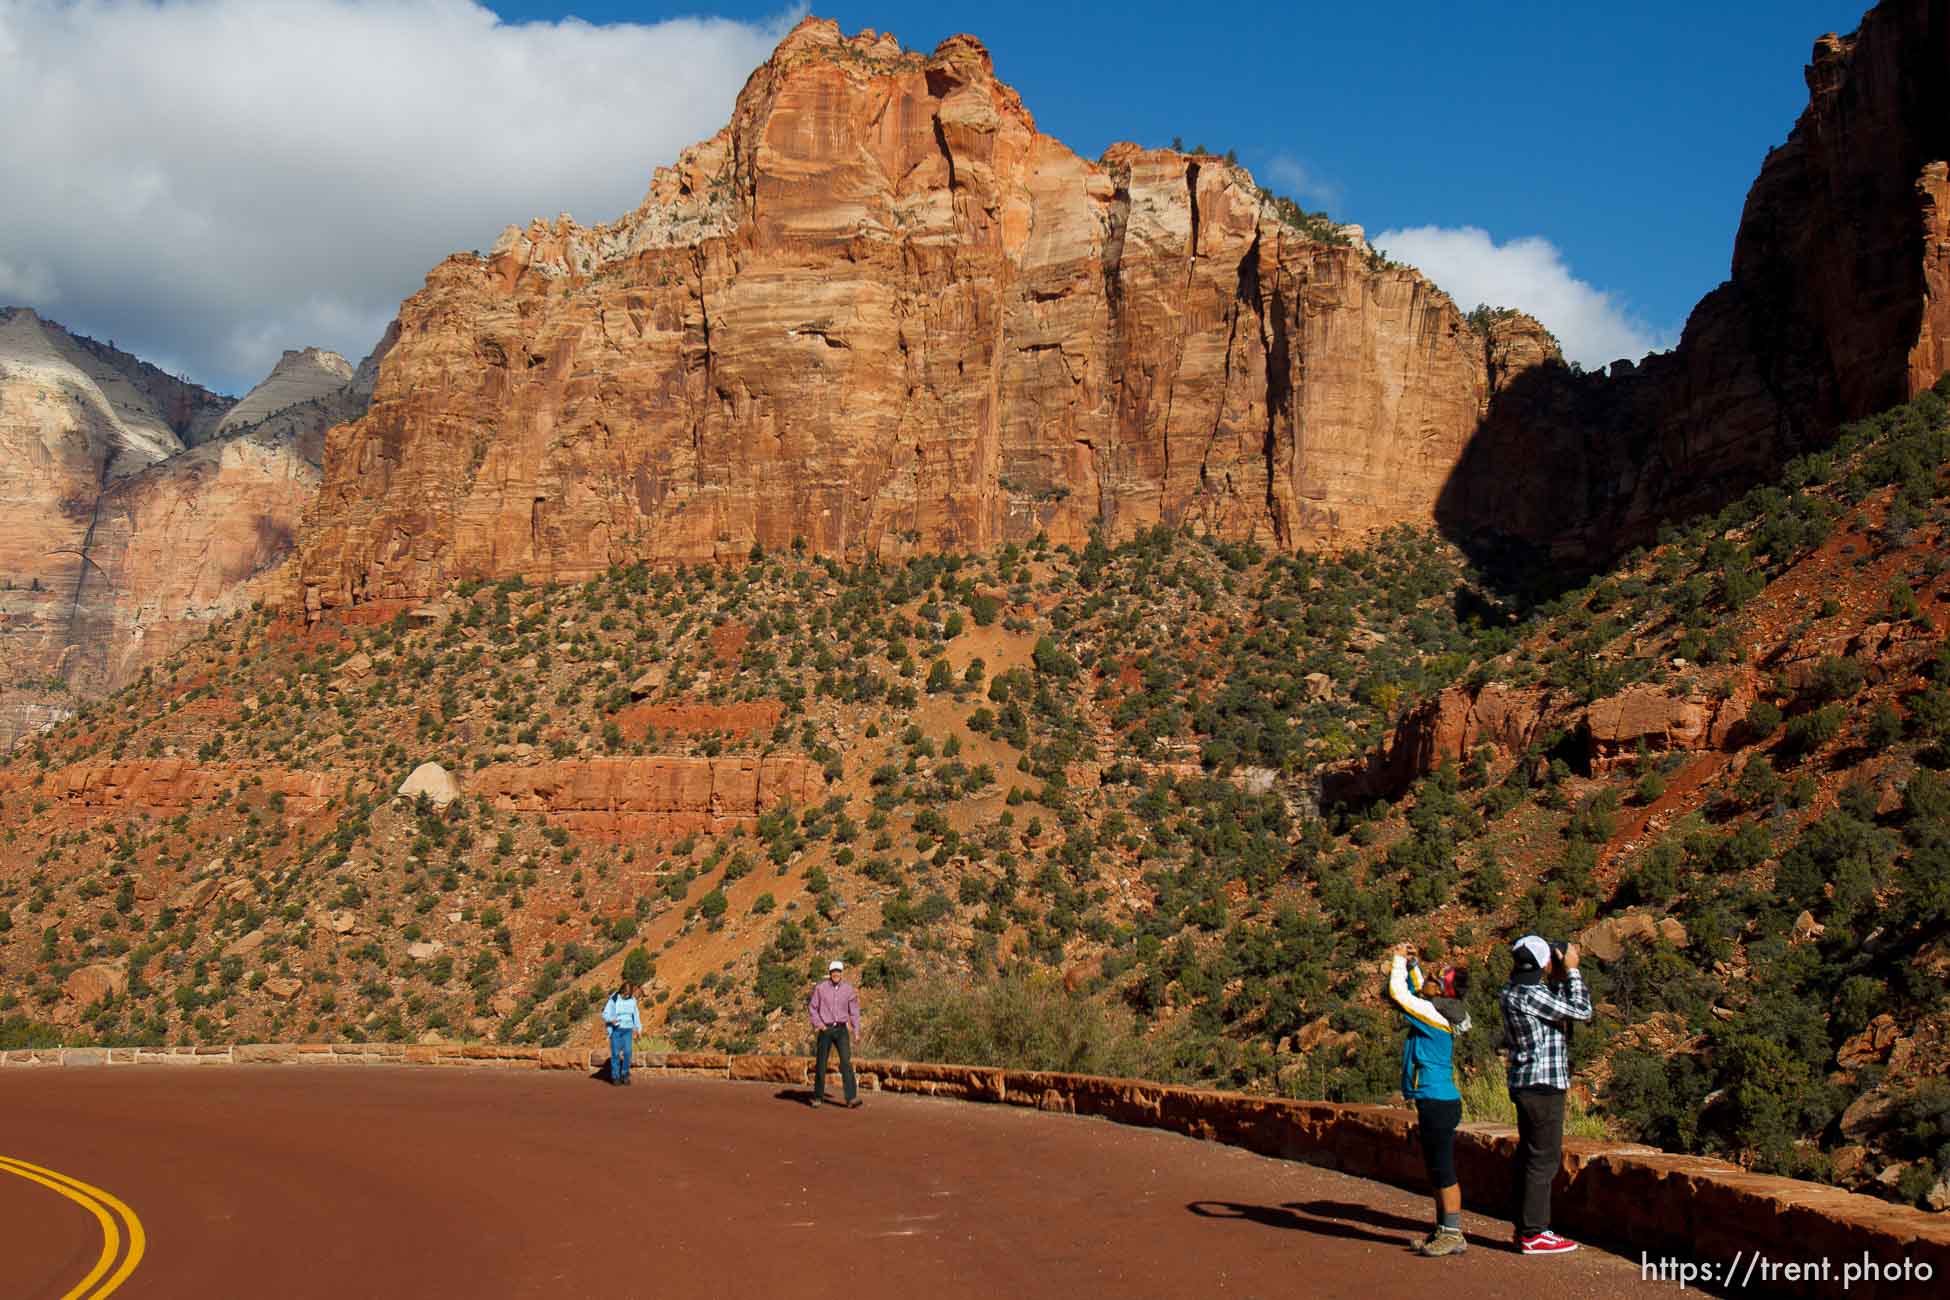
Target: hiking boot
x=816, y=1103
x=1443, y=1241
x=1546, y=1243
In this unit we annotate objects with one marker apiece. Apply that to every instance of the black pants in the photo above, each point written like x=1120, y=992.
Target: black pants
x=830, y=1037
x=1435, y=1122
x=1540, y=1149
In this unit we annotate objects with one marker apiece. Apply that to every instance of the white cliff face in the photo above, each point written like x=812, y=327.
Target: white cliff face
x=77, y=405
x=76, y=418
x=135, y=507
x=299, y=376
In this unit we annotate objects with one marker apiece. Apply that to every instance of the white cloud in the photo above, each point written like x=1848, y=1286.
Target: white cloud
x=1295, y=179
x=1595, y=327
x=218, y=180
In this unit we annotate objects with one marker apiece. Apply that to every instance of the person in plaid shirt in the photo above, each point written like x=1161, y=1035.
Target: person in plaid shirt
x=1545, y=994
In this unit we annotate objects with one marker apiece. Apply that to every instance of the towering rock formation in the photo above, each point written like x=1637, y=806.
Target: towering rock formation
x=881, y=312
x=1838, y=305
x=133, y=508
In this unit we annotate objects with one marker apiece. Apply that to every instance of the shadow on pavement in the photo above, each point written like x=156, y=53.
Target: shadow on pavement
x=801, y=1095
x=1280, y=1216
x=1333, y=1219
x=601, y=1073
x=1354, y=1212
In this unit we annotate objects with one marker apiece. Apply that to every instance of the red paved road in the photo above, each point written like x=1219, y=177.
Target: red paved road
x=296, y=1182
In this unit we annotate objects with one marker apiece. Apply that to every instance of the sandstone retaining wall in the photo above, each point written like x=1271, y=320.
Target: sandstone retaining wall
x=1641, y=1199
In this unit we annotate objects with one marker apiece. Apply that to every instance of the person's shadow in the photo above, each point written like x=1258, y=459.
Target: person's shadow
x=1325, y=1219
x=803, y=1096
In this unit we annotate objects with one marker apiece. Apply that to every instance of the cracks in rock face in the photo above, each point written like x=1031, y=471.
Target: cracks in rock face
x=1279, y=384
x=824, y=333
x=1191, y=193
x=73, y=635
x=1117, y=222
x=1245, y=298
x=704, y=324
x=941, y=143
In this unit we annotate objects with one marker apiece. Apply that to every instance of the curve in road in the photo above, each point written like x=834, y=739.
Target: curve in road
x=119, y=1227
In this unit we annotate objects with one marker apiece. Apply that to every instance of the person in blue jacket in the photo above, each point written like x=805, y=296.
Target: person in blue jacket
x=624, y=1020
x=1434, y=1012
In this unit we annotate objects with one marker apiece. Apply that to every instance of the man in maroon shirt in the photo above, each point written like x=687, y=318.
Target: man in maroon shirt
x=835, y=1011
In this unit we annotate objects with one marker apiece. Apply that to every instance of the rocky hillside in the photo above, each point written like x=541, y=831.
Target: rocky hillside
x=1196, y=784
x=138, y=506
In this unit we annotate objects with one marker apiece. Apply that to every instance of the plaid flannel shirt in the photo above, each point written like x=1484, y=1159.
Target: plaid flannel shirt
x=1536, y=1019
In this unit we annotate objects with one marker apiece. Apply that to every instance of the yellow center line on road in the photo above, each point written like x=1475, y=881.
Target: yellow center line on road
x=107, y=1209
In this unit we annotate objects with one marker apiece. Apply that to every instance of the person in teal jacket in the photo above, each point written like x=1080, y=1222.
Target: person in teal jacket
x=1434, y=1012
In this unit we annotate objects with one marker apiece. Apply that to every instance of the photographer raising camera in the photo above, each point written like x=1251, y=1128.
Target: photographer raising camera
x=1544, y=996
x=1433, y=1009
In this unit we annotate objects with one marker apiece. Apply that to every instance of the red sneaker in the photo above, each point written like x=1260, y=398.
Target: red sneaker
x=1546, y=1243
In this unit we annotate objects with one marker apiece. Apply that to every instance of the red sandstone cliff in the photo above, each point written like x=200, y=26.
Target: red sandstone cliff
x=880, y=311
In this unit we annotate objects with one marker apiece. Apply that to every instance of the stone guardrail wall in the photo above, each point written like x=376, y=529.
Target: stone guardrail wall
x=1684, y=1208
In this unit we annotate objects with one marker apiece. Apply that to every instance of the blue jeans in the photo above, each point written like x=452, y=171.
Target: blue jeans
x=619, y=1055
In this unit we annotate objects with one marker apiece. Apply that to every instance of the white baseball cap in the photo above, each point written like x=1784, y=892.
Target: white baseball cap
x=838, y=965
x=1533, y=947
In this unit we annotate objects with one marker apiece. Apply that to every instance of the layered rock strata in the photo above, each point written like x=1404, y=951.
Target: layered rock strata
x=165, y=786
x=881, y=312
x=653, y=795
x=630, y=795
x=178, y=546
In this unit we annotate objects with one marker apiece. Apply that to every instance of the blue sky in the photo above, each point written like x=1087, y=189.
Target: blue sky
x=1585, y=162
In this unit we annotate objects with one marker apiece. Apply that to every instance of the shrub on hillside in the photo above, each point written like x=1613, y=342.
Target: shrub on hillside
x=1885, y=727
x=1655, y=878
x=17, y=1032
x=1019, y=1021
x=1810, y=731
x=1655, y=1099
x=1835, y=678
x=1763, y=720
